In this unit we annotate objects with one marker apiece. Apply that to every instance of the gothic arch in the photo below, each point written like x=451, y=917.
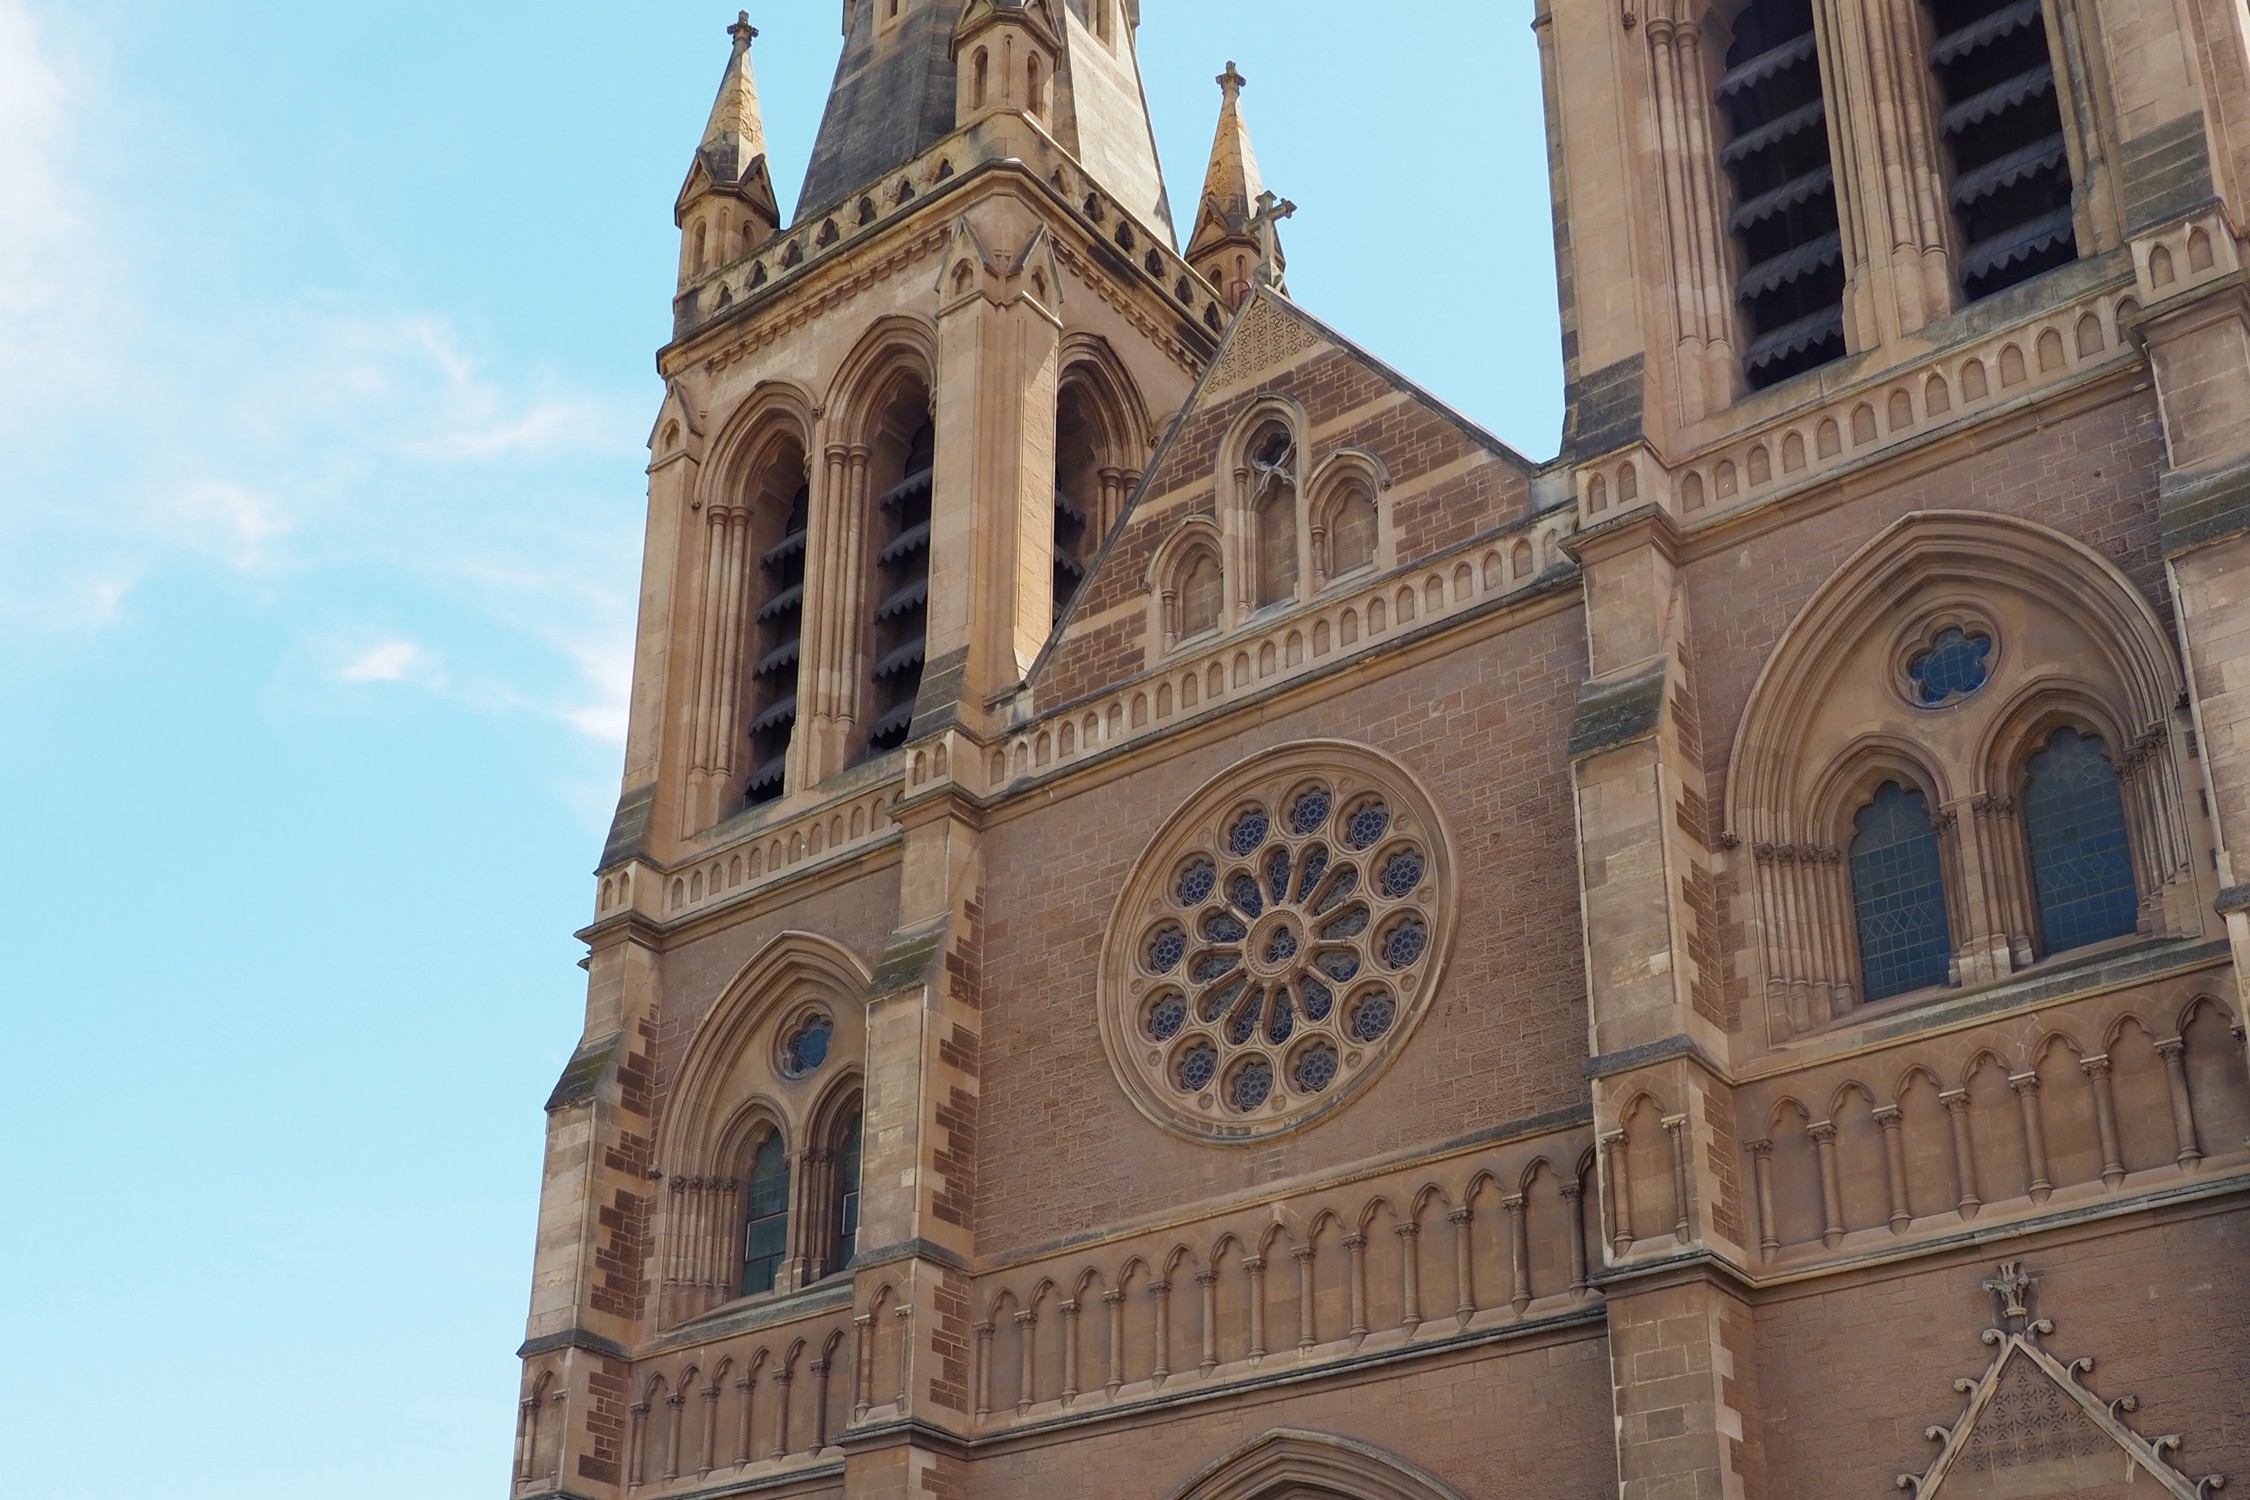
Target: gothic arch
x=1345, y=538
x=1173, y=617
x=2045, y=633
x=1239, y=510
x=892, y=346
x=1914, y=561
x=1288, y=1464
x=776, y=410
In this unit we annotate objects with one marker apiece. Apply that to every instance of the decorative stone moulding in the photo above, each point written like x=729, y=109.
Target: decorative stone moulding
x=1281, y=937
x=790, y=255
x=767, y=857
x=1917, y=402
x=1228, y=668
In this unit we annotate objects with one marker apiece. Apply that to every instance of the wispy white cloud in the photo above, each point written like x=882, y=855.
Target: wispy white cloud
x=387, y=661
x=288, y=436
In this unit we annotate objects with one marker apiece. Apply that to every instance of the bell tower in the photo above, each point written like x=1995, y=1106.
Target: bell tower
x=896, y=428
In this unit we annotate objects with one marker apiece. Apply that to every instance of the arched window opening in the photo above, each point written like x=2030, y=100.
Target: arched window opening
x=2011, y=187
x=701, y=254
x=980, y=78
x=1351, y=532
x=1201, y=595
x=765, y=1237
x=1078, y=494
x=2081, y=856
x=1898, y=896
x=779, y=628
x=847, y=1194
x=1273, y=511
x=1791, y=283
x=1035, y=86
x=902, y=566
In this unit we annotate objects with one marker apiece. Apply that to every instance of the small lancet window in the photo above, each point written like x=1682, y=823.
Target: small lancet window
x=2081, y=856
x=1201, y=595
x=1790, y=285
x=847, y=1194
x=1898, y=896
x=2003, y=132
x=765, y=1238
x=1273, y=511
x=1351, y=532
x=1956, y=665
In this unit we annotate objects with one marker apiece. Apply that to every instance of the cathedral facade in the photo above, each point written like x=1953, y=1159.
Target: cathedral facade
x=1184, y=924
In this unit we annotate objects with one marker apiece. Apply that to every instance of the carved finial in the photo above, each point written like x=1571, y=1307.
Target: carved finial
x=743, y=32
x=2010, y=1289
x=1231, y=82
x=1266, y=225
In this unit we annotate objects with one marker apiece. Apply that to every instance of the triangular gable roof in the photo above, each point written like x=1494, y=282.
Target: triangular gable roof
x=1269, y=334
x=2029, y=1412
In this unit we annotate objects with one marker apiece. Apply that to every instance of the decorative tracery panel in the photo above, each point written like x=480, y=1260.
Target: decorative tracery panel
x=1283, y=933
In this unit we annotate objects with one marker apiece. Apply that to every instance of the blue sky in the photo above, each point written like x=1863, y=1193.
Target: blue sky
x=325, y=371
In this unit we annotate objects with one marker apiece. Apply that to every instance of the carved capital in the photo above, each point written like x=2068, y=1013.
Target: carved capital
x=2024, y=1083
x=1888, y=1116
x=1822, y=1132
x=2096, y=1066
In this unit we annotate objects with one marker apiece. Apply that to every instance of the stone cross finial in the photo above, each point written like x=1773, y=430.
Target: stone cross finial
x=1265, y=224
x=2011, y=1289
x=1231, y=82
x=743, y=32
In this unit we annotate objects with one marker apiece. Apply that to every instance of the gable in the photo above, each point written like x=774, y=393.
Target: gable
x=1443, y=480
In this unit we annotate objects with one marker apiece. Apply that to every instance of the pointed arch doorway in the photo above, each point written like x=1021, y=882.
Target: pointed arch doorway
x=1287, y=1464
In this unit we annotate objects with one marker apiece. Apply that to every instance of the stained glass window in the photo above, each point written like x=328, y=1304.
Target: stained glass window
x=807, y=1047
x=1296, y=928
x=1955, y=666
x=765, y=1238
x=847, y=1195
x=1898, y=895
x=2081, y=861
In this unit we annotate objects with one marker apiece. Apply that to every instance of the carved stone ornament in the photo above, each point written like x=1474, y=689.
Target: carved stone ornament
x=2031, y=1429
x=1282, y=934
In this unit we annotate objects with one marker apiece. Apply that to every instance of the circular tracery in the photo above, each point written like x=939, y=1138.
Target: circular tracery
x=1283, y=933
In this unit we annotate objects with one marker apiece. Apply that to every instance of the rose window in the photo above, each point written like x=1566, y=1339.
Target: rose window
x=1281, y=937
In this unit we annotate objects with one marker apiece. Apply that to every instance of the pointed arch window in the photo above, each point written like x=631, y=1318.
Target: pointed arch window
x=902, y=566
x=1350, y=531
x=847, y=1193
x=780, y=629
x=2081, y=855
x=1201, y=594
x=1273, y=514
x=2010, y=189
x=765, y=1238
x=1790, y=271
x=1898, y=895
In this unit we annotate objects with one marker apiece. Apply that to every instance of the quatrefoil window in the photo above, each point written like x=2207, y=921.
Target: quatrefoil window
x=1954, y=665
x=1278, y=942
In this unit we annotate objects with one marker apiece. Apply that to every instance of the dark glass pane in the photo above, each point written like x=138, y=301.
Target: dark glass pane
x=1898, y=895
x=847, y=1204
x=765, y=1240
x=808, y=1049
x=1955, y=666
x=2081, y=864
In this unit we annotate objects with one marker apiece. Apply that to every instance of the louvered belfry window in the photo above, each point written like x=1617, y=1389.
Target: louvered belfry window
x=902, y=569
x=1791, y=253
x=1078, y=517
x=2002, y=125
x=780, y=635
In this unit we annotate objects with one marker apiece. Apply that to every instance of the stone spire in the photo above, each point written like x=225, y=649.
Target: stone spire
x=731, y=161
x=1230, y=240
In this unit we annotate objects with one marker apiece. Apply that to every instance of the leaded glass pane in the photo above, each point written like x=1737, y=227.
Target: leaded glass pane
x=847, y=1204
x=1243, y=892
x=1197, y=882
x=1367, y=823
x=1253, y=1085
x=807, y=1047
x=1308, y=812
x=1402, y=872
x=1166, y=949
x=1277, y=875
x=1316, y=1068
x=1248, y=833
x=1373, y=1016
x=1197, y=1067
x=1955, y=666
x=765, y=1237
x=2081, y=861
x=1898, y=896
x=1167, y=1016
